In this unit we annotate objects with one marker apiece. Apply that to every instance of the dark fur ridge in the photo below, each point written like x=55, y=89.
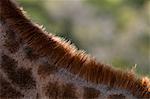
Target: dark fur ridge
x=64, y=55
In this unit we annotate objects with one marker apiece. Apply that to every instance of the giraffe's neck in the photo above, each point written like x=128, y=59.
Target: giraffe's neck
x=25, y=74
x=35, y=65
x=29, y=75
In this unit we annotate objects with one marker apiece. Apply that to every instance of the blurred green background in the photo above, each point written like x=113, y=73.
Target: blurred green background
x=116, y=32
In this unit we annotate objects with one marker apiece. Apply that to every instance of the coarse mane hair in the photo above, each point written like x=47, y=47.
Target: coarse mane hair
x=64, y=55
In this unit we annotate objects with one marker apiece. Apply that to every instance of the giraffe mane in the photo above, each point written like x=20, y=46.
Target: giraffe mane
x=64, y=55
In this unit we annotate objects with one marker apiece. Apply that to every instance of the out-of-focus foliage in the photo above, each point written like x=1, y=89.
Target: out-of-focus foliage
x=116, y=32
x=127, y=14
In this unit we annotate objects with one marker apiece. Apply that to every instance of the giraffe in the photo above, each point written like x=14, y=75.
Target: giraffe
x=35, y=64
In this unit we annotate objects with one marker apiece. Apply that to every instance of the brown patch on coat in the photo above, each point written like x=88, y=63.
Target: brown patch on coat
x=30, y=54
x=18, y=76
x=56, y=91
x=37, y=96
x=46, y=69
x=8, y=64
x=69, y=91
x=52, y=90
x=116, y=96
x=23, y=78
x=11, y=42
x=7, y=91
x=90, y=93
